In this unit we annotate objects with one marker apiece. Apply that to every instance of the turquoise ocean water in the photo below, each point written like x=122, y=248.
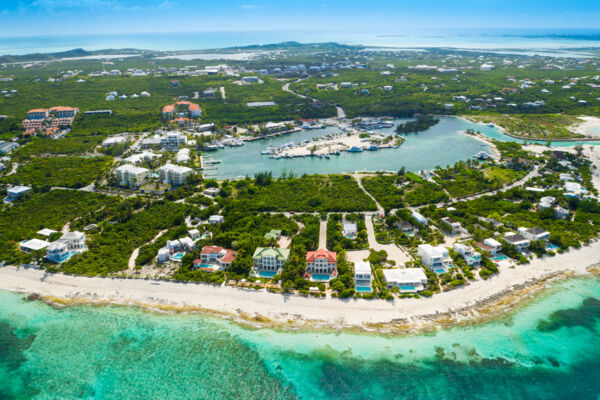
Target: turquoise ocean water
x=548, y=349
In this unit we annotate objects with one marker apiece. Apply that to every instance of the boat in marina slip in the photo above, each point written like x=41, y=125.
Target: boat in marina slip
x=355, y=149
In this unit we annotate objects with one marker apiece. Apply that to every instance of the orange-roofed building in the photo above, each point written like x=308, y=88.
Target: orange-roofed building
x=215, y=258
x=38, y=113
x=64, y=112
x=321, y=262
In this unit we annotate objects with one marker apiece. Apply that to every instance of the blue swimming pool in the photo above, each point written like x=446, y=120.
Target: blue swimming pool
x=267, y=274
x=363, y=289
x=206, y=266
x=439, y=271
x=318, y=277
x=500, y=258
x=552, y=246
x=177, y=257
x=407, y=288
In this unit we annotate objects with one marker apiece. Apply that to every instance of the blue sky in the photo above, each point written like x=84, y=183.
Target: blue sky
x=42, y=17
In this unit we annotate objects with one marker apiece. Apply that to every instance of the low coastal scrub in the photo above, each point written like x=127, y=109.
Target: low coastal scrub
x=71, y=172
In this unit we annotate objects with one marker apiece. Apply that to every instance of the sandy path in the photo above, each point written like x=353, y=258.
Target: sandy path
x=323, y=234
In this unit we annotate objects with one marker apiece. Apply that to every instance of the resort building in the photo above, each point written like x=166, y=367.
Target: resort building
x=407, y=280
x=321, y=264
x=216, y=219
x=534, y=233
x=173, y=140
x=419, y=218
x=141, y=157
x=213, y=258
x=51, y=119
x=520, y=242
x=16, y=192
x=491, y=245
x=451, y=225
x=362, y=275
x=349, y=230
x=131, y=176
x=181, y=109
x=175, y=175
x=270, y=258
x=472, y=258
x=435, y=258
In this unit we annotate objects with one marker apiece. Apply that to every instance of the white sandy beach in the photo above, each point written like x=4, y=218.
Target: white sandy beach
x=249, y=304
x=590, y=127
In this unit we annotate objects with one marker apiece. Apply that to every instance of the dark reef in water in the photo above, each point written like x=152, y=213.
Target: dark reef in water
x=12, y=349
x=584, y=316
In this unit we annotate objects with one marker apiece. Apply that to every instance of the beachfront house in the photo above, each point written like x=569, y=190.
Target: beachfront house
x=175, y=175
x=216, y=219
x=519, y=241
x=270, y=258
x=75, y=241
x=471, y=257
x=405, y=227
x=349, y=230
x=546, y=202
x=16, y=192
x=451, y=225
x=174, y=250
x=407, y=280
x=321, y=264
x=57, y=252
x=574, y=190
x=491, y=245
x=535, y=233
x=131, y=176
x=362, y=275
x=419, y=218
x=437, y=258
x=213, y=258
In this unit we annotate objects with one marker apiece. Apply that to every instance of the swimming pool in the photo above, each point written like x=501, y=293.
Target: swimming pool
x=439, y=271
x=267, y=274
x=363, y=289
x=552, y=246
x=177, y=257
x=407, y=288
x=323, y=277
x=500, y=258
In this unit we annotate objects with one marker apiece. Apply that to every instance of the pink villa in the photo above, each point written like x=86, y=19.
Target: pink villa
x=321, y=264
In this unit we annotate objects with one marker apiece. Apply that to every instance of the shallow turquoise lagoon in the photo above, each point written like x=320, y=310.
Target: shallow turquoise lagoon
x=549, y=349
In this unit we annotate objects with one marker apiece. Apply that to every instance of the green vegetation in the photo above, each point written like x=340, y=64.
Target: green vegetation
x=313, y=193
x=536, y=126
x=292, y=276
x=49, y=210
x=422, y=123
x=69, y=145
x=72, y=172
x=110, y=249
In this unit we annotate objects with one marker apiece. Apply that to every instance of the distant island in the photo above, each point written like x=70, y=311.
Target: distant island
x=422, y=123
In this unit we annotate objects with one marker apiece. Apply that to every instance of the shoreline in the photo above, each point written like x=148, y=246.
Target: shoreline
x=477, y=302
x=587, y=138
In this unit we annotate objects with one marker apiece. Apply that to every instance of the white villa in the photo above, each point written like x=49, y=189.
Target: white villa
x=491, y=245
x=270, y=258
x=362, y=274
x=140, y=157
x=132, y=176
x=349, y=230
x=16, y=192
x=534, y=233
x=472, y=257
x=519, y=241
x=407, y=280
x=452, y=225
x=435, y=258
x=175, y=175
x=419, y=218
x=216, y=219
x=174, y=250
x=33, y=245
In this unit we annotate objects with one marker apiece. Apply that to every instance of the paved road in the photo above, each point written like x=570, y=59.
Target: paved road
x=393, y=251
x=357, y=177
x=323, y=235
